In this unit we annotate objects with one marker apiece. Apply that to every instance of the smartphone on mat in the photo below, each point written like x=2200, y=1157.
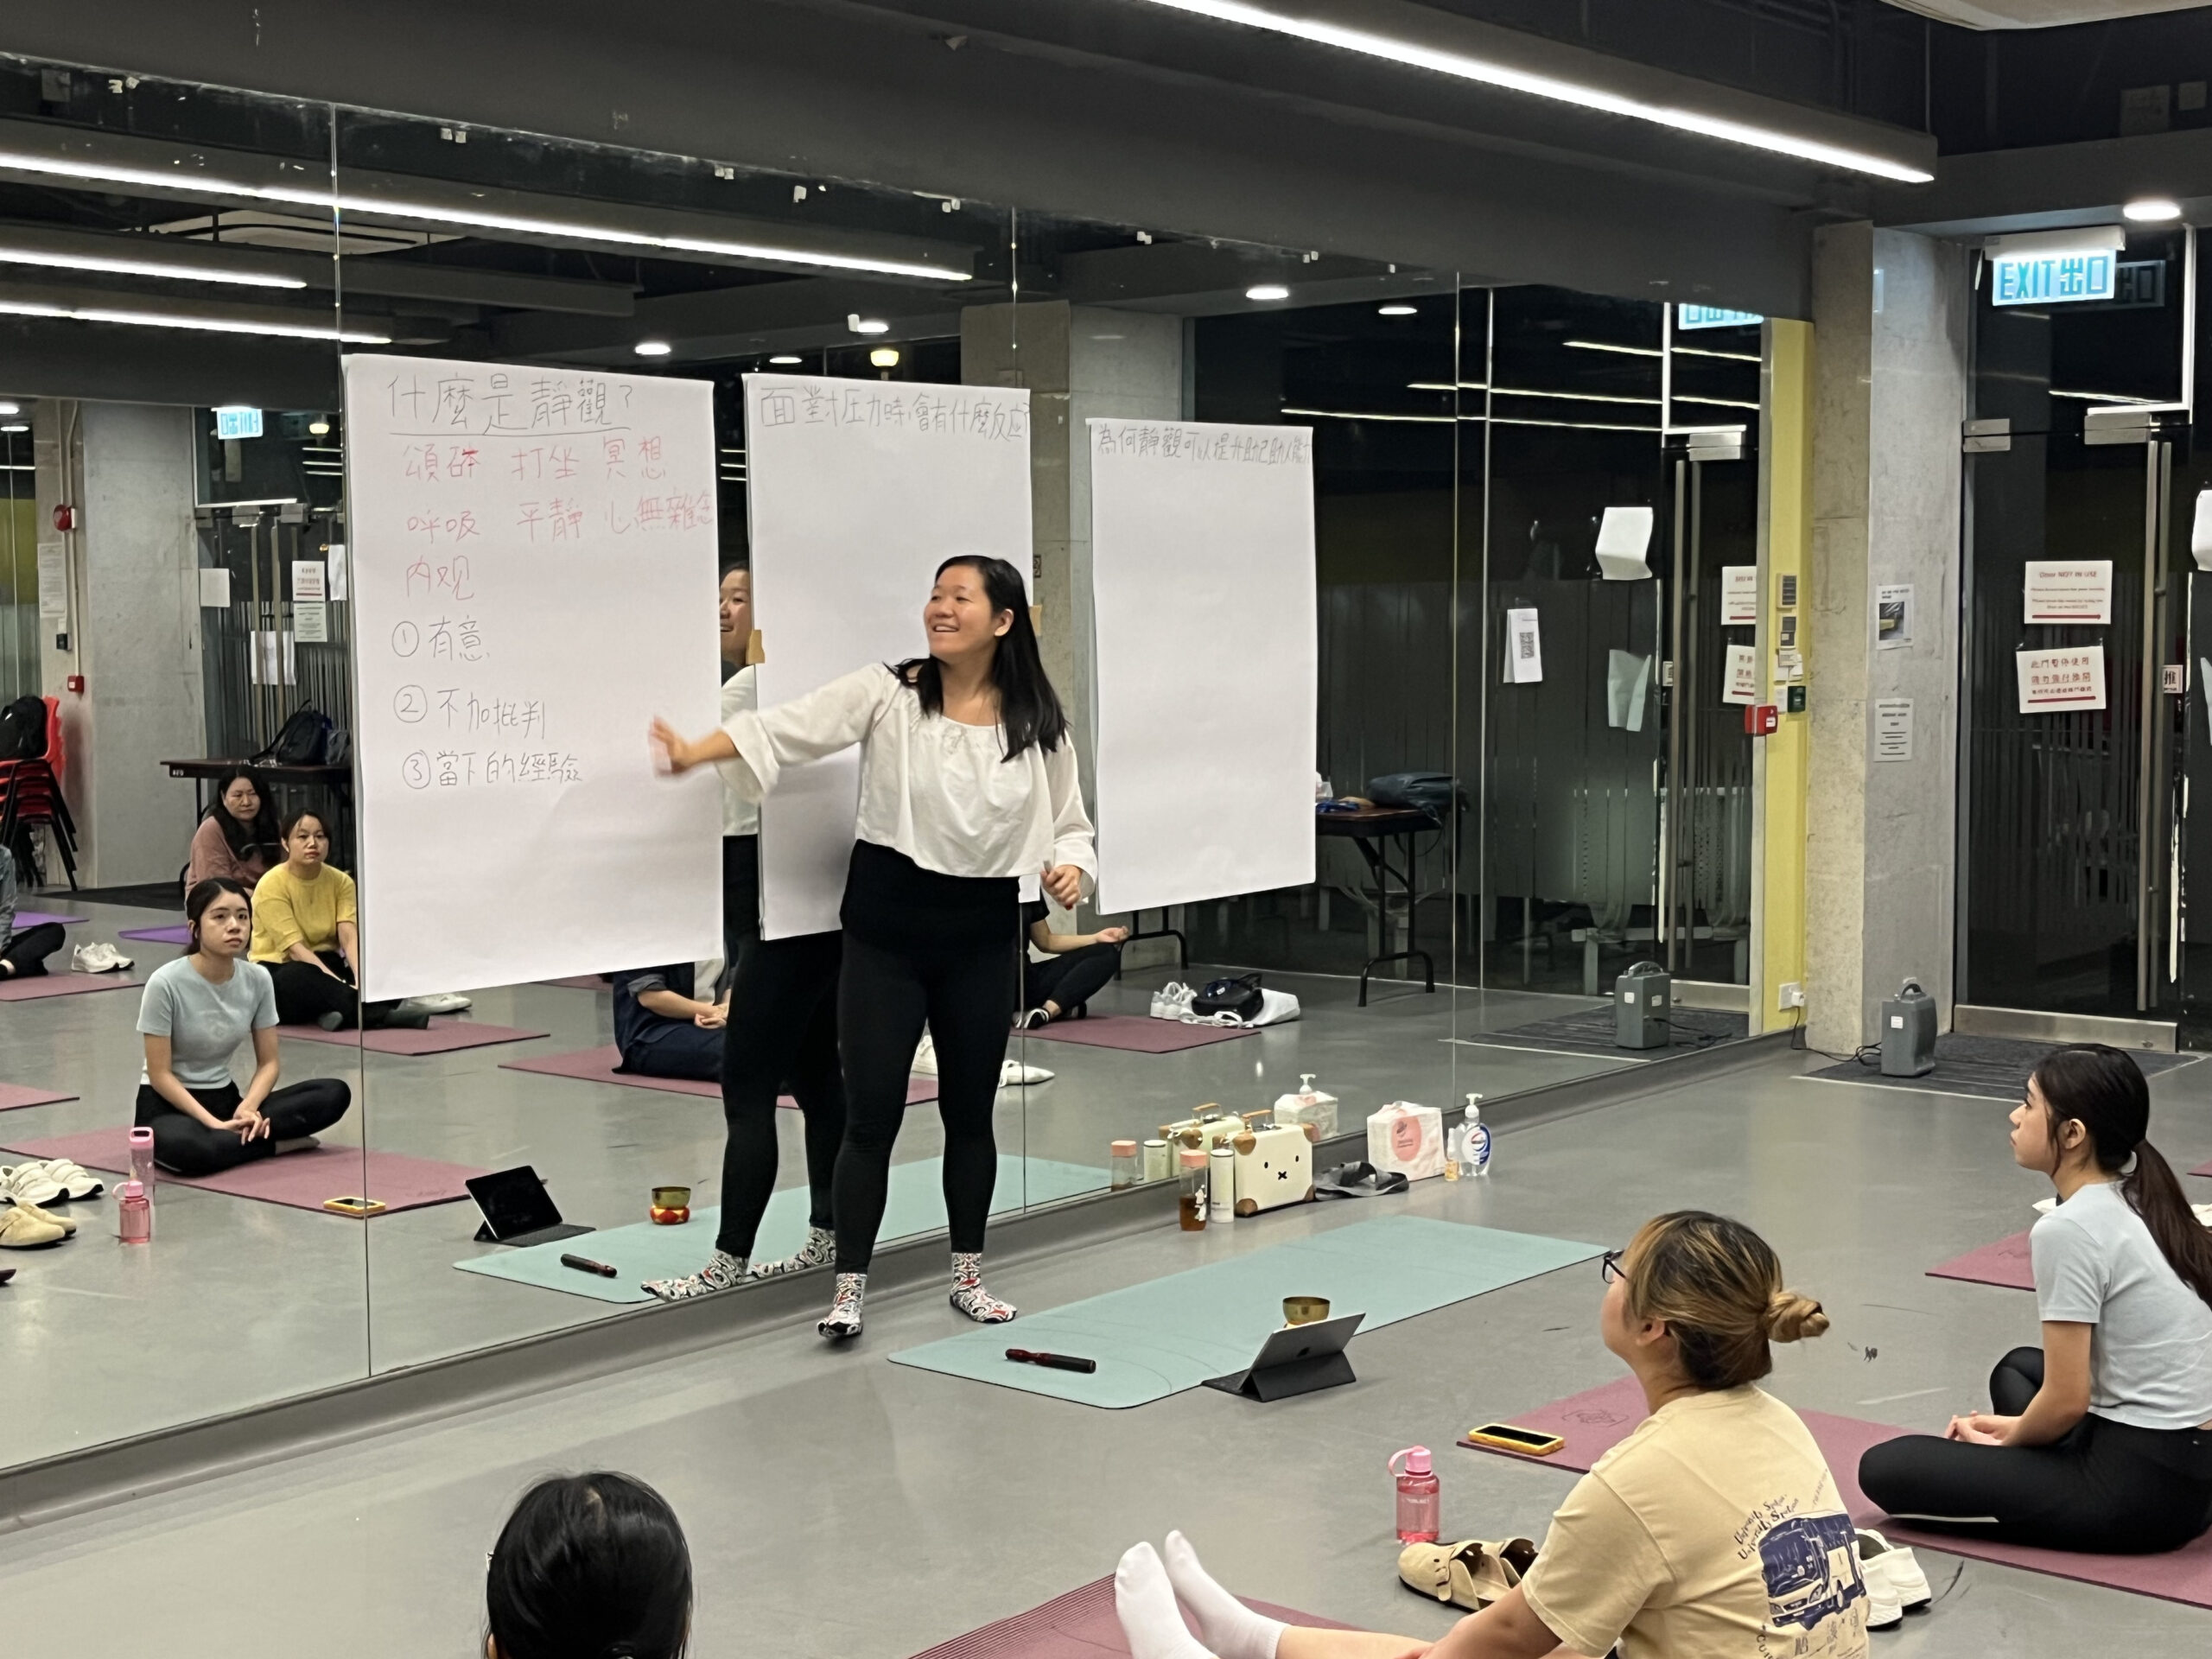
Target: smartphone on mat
x=354, y=1206
x=1534, y=1442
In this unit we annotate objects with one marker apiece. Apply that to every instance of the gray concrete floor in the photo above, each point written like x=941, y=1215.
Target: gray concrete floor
x=246, y=1302
x=839, y=1505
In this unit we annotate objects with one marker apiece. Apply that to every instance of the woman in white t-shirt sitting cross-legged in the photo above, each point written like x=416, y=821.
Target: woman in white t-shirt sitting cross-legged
x=1714, y=1531
x=2102, y=1438
x=194, y=1013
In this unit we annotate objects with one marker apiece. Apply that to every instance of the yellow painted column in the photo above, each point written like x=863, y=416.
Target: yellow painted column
x=1780, y=775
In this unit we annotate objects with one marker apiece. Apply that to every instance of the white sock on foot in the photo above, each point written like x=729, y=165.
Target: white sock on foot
x=1145, y=1602
x=1231, y=1629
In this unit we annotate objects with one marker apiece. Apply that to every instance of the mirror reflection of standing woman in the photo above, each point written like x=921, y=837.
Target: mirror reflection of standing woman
x=968, y=784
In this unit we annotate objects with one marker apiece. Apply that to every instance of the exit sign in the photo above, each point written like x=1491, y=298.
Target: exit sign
x=237, y=422
x=1712, y=317
x=2054, y=278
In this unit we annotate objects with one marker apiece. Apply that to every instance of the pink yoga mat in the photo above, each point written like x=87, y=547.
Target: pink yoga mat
x=1138, y=1033
x=176, y=933
x=597, y=1065
x=1593, y=1423
x=13, y=1095
x=2006, y=1262
x=2203, y=1169
x=299, y=1180
x=43, y=985
x=441, y=1036
x=580, y=982
x=1081, y=1624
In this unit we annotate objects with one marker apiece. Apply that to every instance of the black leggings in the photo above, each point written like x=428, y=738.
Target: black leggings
x=305, y=993
x=963, y=992
x=185, y=1146
x=2103, y=1487
x=1071, y=979
x=26, y=952
x=783, y=1028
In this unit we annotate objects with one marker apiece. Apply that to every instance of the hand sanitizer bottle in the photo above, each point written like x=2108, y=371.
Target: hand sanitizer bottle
x=1474, y=1140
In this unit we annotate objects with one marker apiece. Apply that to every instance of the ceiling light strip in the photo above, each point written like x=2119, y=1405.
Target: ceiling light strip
x=339, y=204
x=182, y=273
x=1460, y=67
x=1608, y=346
x=156, y=320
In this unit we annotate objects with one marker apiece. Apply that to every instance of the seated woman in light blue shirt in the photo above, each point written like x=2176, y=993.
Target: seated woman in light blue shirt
x=193, y=1015
x=2102, y=1439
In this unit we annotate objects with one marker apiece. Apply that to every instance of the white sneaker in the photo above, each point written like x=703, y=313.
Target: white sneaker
x=1171, y=1001
x=925, y=1064
x=436, y=1002
x=1899, y=1568
x=1014, y=1075
x=29, y=1184
x=1883, y=1611
x=100, y=958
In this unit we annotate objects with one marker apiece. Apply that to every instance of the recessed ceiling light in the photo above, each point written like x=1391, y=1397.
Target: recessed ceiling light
x=319, y=429
x=885, y=357
x=860, y=324
x=11, y=409
x=179, y=272
x=2151, y=210
x=786, y=359
x=653, y=348
x=211, y=325
x=1461, y=67
x=17, y=426
x=1267, y=291
x=1397, y=310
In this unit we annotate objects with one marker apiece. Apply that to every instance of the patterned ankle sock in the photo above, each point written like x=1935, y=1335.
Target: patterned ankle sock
x=969, y=1295
x=843, y=1318
x=819, y=1251
x=723, y=1272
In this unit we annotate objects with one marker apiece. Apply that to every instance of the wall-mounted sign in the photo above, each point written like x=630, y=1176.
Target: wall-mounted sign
x=1740, y=595
x=2054, y=267
x=1712, y=317
x=1893, y=728
x=2051, y=680
x=2068, y=590
x=1893, y=616
x=236, y=421
x=1524, y=647
x=1740, y=681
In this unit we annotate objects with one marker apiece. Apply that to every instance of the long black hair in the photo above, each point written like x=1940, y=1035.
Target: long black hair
x=2102, y=1089
x=205, y=893
x=1029, y=710
x=244, y=839
x=590, y=1567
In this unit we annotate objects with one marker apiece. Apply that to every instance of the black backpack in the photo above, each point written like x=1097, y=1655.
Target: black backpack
x=304, y=740
x=22, y=730
x=1240, y=996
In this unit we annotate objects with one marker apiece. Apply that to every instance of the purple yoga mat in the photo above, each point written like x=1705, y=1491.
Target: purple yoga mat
x=2006, y=1262
x=597, y=1065
x=42, y=985
x=299, y=1180
x=1593, y=1423
x=441, y=1036
x=13, y=1095
x=175, y=933
x=39, y=918
x=2203, y=1169
x=1138, y=1033
x=1081, y=1624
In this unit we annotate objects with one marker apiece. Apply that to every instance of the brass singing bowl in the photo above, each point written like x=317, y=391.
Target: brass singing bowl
x=671, y=1198
x=1305, y=1310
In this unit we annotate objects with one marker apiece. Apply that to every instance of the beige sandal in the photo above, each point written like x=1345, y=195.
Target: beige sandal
x=1471, y=1574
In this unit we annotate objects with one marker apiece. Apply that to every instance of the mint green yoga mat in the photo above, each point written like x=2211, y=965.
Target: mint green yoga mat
x=1156, y=1340
x=642, y=1251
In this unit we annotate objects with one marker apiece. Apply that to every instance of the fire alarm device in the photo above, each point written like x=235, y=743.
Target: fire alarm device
x=1761, y=720
x=65, y=516
x=76, y=683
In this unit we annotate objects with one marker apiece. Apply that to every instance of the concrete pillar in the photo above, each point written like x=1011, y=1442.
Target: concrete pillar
x=132, y=630
x=1891, y=315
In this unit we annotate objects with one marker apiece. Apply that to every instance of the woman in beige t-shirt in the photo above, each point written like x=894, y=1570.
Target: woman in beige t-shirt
x=1714, y=1531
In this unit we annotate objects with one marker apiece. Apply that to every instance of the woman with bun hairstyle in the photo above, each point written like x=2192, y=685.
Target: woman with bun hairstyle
x=1714, y=1531
x=2102, y=1438
x=589, y=1567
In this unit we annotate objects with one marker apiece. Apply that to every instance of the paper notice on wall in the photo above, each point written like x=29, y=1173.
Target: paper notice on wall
x=1628, y=683
x=1740, y=595
x=1740, y=675
x=1624, y=540
x=273, y=660
x=1893, y=616
x=214, y=587
x=2200, y=531
x=2072, y=678
x=311, y=622
x=2069, y=590
x=54, y=581
x=334, y=563
x=1893, y=728
x=307, y=576
x=1524, y=648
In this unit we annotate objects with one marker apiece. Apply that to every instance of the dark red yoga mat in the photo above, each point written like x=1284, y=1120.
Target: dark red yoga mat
x=441, y=1036
x=1081, y=1624
x=1594, y=1422
x=2006, y=1262
x=299, y=1180
x=1138, y=1033
x=597, y=1065
x=580, y=982
x=13, y=1095
x=44, y=985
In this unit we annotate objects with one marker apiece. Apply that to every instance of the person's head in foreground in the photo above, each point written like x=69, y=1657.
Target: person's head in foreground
x=1714, y=1530
x=589, y=1567
x=220, y=918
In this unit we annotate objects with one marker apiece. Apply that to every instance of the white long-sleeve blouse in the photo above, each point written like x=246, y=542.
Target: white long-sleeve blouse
x=939, y=791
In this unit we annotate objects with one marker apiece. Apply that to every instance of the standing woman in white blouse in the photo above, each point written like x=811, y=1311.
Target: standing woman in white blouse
x=968, y=784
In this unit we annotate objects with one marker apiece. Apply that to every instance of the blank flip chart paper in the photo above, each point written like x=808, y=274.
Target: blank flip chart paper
x=533, y=556
x=857, y=491
x=1202, y=571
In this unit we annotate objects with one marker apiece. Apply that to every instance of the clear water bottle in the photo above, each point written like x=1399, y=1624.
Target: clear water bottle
x=1421, y=1503
x=141, y=1160
x=1474, y=1140
x=133, y=1215
x=1191, y=1197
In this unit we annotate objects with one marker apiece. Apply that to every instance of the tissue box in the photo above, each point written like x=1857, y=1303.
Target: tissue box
x=1407, y=1140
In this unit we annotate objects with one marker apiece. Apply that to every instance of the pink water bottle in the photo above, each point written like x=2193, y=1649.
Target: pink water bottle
x=1420, y=1502
x=134, y=1215
x=142, y=1159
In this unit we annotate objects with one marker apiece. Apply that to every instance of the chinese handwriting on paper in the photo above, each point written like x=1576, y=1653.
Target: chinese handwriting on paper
x=1152, y=440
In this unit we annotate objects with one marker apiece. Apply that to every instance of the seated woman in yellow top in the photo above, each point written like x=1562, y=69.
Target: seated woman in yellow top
x=305, y=933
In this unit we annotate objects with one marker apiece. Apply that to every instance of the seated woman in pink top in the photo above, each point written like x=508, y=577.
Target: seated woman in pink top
x=236, y=836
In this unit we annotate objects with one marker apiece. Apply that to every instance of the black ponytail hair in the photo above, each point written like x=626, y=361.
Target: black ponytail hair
x=1029, y=710
x=590, y=1567
x=205, y=893
x=2102, y=1089
x=244, y=839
